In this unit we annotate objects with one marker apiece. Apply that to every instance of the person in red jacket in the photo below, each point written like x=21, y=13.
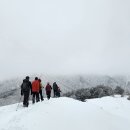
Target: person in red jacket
x=35, y=90
x=48, y=90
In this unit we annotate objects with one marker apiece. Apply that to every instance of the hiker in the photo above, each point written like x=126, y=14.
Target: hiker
x=58, y=92
x=55, y=89
x=40, y=89
x=25, y=91
x=48, y=90
x=35, y=90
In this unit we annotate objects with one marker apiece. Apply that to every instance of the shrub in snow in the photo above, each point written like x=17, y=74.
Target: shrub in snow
x=107, y=91
x=82, y=94
x=119, y=90
x=101, y=91
x=95, y=92
x=69, y=94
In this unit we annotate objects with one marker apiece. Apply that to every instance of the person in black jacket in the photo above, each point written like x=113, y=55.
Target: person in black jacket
x=25, y=91
x=55, y=89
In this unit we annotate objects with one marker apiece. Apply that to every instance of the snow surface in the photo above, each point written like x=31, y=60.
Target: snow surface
x=108, y=113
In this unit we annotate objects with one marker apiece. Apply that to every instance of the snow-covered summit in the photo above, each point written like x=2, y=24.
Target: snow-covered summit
x=108, y=113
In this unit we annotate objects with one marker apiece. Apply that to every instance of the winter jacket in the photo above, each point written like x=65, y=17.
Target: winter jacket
x=35, y=86
x=48, y=88
x=26, y=86
x=40, y=86
x=55, y=87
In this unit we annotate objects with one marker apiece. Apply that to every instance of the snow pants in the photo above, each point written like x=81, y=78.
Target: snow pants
x=48, y=93
x=54, y=91
x=26, y=98
x=35, y=97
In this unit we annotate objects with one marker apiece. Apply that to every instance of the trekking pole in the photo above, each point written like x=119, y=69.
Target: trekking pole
x=18, y=103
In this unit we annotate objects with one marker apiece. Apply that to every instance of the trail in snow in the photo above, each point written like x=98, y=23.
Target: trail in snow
x=106, y=113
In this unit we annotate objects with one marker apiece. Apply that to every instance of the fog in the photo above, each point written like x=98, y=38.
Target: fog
x=64, y=37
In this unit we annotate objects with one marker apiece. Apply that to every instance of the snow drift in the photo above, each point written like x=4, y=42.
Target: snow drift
x=108, y=113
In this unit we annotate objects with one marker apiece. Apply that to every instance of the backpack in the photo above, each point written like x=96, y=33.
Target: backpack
x=25, y=86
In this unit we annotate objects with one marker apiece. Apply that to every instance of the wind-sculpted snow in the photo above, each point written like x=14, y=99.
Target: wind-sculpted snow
x=109, y=113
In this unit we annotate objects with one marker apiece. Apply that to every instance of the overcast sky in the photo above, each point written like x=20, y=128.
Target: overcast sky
x=64, y=37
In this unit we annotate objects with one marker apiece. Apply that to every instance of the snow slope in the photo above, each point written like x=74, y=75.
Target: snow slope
x=106, y=113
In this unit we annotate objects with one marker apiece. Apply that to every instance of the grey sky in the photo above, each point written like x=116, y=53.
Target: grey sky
x=64, y=37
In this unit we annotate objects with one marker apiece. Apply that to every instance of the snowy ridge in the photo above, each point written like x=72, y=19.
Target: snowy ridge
x=10, y=92
x=107, y=113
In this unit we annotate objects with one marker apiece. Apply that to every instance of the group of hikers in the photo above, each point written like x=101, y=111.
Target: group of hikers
x=36, y=88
